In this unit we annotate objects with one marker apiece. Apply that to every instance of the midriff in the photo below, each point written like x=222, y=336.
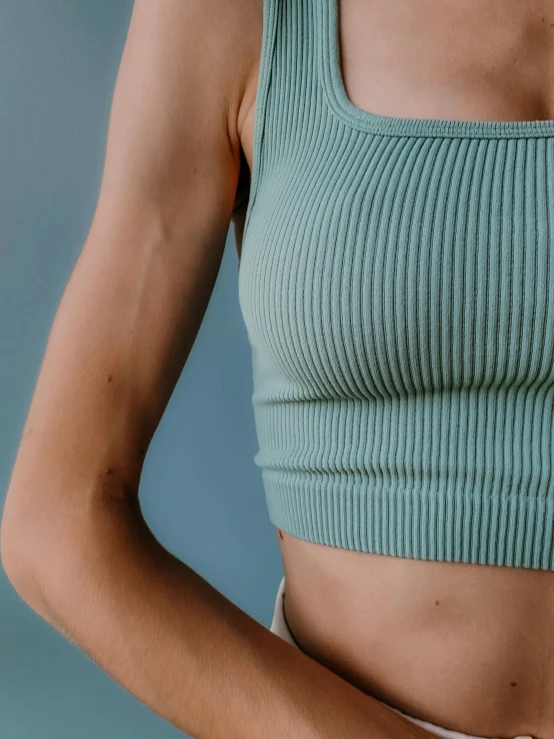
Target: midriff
x=467, y=647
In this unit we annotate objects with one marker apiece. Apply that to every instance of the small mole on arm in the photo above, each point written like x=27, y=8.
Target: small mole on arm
x=108, y=471
x=437, y=602
x=513, y=685
x=141, y=451
x=110, y=378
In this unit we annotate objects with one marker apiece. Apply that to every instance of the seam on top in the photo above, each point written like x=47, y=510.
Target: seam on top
x=270, y=12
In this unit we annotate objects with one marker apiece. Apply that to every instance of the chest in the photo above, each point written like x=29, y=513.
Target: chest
x=390, y=264
x=429, y=59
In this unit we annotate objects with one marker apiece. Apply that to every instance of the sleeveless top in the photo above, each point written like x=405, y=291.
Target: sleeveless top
x=396, y=282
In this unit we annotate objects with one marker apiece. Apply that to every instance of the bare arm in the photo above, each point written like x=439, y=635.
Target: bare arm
x=74, y=542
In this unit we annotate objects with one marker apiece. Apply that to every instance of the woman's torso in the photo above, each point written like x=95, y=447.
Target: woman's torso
x=464, y=646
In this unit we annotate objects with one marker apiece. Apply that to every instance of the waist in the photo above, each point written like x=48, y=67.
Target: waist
x=431, y=520
x=459, y=645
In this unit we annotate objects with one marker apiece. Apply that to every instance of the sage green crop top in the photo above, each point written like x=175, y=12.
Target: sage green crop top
x=396, y=282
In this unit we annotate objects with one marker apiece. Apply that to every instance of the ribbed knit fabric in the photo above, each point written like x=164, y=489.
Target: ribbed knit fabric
x=397, y=286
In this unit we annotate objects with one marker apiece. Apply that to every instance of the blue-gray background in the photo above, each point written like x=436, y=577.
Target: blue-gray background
x=201, y=493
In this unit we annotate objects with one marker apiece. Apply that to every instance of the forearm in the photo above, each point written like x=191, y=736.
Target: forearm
x=184, y=649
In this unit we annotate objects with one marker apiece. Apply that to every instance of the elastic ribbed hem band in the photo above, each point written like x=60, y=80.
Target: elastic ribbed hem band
x=512, y=531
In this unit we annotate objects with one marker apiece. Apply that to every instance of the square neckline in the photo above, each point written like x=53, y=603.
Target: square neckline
x=343, y=108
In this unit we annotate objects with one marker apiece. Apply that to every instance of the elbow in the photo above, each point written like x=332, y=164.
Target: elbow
x=47, y=554
x=16, y=557
x=10, y=552
x=25, y=560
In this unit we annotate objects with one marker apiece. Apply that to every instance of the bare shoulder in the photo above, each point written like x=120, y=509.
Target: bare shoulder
x=223, y=37
x=228, y=40
x=245, y=31
x=240, y=33
x=247, y=36
x=232, y=32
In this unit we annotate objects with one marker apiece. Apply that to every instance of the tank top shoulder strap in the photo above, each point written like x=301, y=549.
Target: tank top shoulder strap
x=287, y=90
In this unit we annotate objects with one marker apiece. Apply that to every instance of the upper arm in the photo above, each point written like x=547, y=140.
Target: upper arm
x=135, y=300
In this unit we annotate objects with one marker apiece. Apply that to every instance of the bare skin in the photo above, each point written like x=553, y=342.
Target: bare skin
x=73, y=541
x=468, y=647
